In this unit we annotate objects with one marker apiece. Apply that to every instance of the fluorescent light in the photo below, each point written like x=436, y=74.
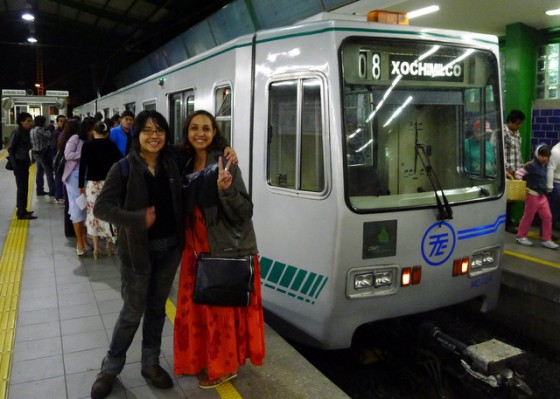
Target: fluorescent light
x=553, y=12
x=422, y=11
x=28, y=17
x=31, y=40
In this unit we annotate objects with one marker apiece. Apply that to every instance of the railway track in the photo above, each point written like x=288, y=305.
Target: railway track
x=393, y=360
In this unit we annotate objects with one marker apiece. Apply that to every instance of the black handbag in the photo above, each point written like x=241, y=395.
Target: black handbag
x=9, y=165
x=223, y=281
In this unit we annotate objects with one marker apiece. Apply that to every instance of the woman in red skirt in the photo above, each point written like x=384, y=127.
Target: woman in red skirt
x=213, y=341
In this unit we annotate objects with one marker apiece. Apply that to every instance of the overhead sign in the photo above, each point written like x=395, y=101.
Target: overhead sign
x=57, y=93
x=13, y=92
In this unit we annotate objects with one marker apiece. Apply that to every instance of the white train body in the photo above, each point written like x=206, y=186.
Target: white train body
x=338, y=126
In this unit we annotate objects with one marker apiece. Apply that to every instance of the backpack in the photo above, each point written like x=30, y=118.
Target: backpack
x=58, y=163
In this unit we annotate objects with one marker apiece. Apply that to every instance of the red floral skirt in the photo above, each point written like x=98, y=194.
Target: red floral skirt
x=215, y=338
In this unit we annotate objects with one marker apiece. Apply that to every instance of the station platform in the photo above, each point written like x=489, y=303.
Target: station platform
x=530, y=293
x=57, y=312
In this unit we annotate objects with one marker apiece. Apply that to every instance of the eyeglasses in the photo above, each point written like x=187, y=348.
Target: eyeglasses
x=148, y=132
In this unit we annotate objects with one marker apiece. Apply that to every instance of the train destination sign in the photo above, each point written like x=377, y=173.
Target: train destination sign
x=441, y=69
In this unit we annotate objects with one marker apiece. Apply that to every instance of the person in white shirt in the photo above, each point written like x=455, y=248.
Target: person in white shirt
x=553, y=184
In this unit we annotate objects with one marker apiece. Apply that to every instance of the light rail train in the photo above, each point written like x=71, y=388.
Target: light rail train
x=374, y=197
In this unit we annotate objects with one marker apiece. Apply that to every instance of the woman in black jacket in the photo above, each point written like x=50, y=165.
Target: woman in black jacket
x=142, y=195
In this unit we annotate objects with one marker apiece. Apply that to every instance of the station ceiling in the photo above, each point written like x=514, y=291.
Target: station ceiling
x=84, y=44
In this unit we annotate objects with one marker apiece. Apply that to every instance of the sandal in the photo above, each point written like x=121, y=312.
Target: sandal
x=205, y=383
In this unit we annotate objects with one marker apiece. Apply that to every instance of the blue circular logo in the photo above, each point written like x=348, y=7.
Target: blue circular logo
x=438, y=243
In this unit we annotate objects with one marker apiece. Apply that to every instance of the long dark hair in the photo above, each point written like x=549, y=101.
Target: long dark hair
x=71, y=127
x=218, y=142
x=139, y=123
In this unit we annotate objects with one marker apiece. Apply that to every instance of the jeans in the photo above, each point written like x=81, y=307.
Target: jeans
x=44, y=166
x=144, y=294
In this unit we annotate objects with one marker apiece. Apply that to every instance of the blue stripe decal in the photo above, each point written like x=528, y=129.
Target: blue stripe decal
x=481, y=230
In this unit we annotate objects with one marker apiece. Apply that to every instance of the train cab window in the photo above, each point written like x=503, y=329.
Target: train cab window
x=295, y=154
x=223, y=111
x=410, y=110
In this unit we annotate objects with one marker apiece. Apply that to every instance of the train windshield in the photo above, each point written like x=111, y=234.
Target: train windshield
x=420, y=117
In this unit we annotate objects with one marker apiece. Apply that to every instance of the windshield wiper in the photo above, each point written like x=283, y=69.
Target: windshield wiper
x=423, y=151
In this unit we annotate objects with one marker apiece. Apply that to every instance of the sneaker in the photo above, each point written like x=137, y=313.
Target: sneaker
x=523, y=241
x=550, y=244
x=157, y=376
x=42, y=193
x=102, y=386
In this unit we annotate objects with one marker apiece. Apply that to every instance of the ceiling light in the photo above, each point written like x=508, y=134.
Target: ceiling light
x=28, y=17
x=553, y=12
x=422, y=11
x=31, y=39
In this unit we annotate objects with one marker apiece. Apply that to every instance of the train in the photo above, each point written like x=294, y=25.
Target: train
x=351, y=137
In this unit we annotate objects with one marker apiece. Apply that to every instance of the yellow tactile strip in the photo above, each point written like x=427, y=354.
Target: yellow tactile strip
x=11, y=267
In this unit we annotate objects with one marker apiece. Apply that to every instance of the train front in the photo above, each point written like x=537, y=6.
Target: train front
x=424, y=177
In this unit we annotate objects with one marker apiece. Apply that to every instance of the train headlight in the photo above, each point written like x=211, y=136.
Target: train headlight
x=383, y=279
x=362, y=281
x=369, y=281
x=484, y=258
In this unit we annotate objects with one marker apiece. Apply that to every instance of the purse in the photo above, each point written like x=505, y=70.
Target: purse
x=223, y=281
x=9, y=165
x=515, y=189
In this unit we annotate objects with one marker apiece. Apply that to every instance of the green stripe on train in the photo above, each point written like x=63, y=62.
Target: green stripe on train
x=289, y=280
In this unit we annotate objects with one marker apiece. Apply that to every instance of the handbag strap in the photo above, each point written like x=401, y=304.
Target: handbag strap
x=193, y=241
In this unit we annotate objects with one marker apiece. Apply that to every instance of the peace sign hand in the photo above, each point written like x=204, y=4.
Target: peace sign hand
x=224, y=177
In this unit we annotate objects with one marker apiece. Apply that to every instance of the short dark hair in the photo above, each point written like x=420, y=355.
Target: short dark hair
x=22, y=117
x=59, y=117
x=128, y=113
x=141, y=120
x=40, y=120
x=515, y=115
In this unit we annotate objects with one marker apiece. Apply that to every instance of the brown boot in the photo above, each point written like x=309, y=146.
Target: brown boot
x=102, y=386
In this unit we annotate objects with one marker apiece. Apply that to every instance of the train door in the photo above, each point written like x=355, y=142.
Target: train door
x=294, y=222
x=181, y=105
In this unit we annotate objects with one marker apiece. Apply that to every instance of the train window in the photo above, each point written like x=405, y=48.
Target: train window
x=106, y=113
x=130, y=107
x=149, y=105
x=410, y=110
x=223, y=111
x=295, y=157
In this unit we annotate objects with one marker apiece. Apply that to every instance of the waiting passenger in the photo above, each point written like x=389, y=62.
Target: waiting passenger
x=98, y=155
x=73, y=139
x=18, y=148
x=58, y=185
x=536, y=200
x=122, y=134
x=41, y=141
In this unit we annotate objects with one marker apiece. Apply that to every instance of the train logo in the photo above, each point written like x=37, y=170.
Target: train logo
x=438, y=243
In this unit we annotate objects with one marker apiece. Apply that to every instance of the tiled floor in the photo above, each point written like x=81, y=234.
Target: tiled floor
x=67, y=309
